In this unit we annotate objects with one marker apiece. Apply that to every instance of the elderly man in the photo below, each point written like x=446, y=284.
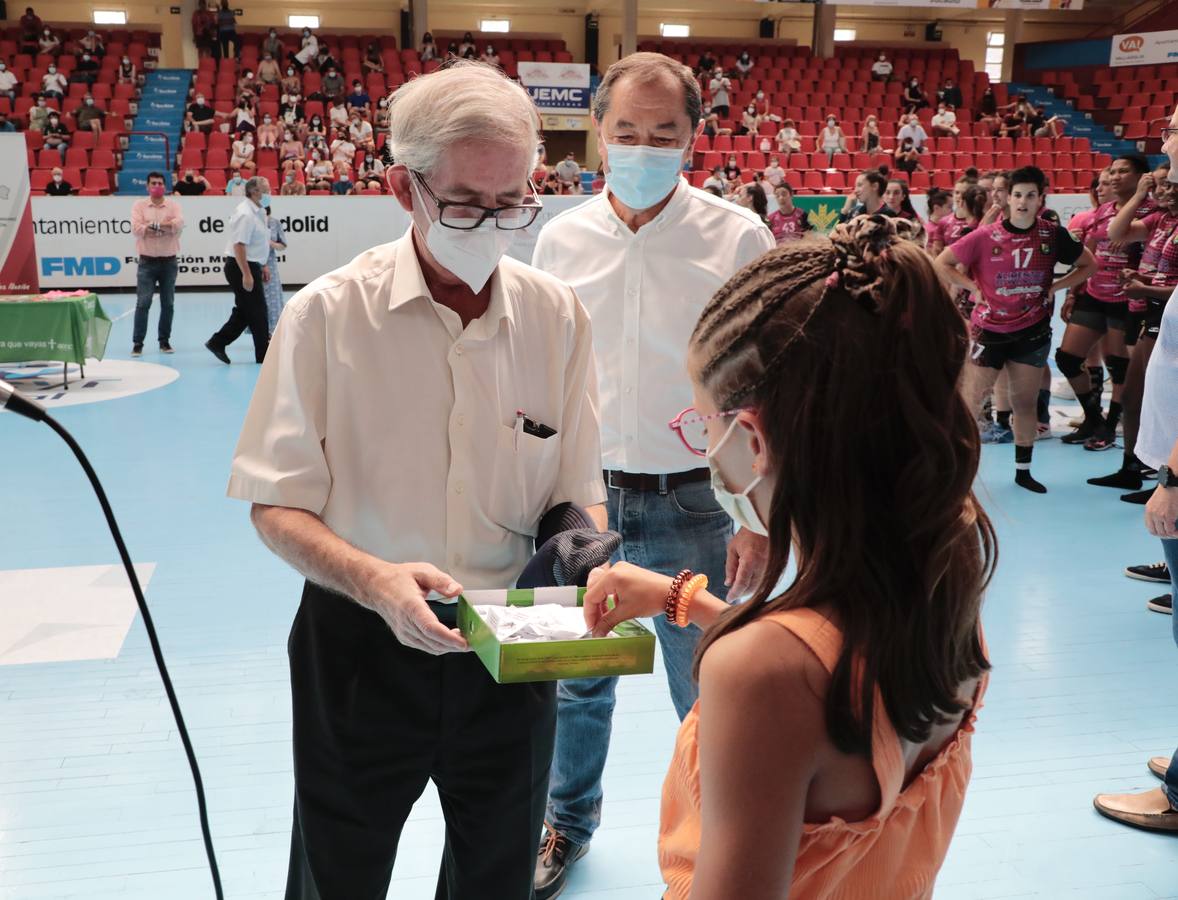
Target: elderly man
x=245, y=270
x=645, y=257
x=387, y=461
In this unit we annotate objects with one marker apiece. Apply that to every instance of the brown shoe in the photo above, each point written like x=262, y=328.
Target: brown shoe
x=1150, y=810
x=1159, y=765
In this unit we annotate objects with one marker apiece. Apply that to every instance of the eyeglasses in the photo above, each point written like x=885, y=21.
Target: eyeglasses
x=467, y=216
x=1168, y=133
x=692, y=427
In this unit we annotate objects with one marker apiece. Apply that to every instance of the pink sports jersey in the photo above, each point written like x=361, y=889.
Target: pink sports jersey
x=1167, y=270
x=1161, y=227
x=1079, y=222
x=1014, y=271
x=953, y=229
x=934, y=232
x=1111, y=258
x=789, y=227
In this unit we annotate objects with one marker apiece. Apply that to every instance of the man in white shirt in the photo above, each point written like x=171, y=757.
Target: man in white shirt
x=944, y=122
x=645, y=257
x=881, y=69
x=246, y=255
x=384, y=461
x=719, y=87
x=910, y=127
x=774, y=174
x=567, y=169
x=8, y=81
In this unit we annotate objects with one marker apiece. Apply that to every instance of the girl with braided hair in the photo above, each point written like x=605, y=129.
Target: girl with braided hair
x=856, y=685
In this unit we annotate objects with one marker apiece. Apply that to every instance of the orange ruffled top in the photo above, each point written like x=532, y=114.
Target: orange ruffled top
x=895, y=853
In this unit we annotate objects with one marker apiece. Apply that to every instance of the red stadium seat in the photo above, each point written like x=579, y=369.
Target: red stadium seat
x=103, y=159
x=97, y=180
x=77, y=156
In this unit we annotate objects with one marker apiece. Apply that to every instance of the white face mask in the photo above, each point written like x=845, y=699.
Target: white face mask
x=472, y=255
x=642, y=176
x=738, y=506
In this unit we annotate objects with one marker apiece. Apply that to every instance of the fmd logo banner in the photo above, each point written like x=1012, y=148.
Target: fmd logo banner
x=557, y=87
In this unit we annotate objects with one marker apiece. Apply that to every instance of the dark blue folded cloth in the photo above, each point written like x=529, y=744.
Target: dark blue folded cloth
x=569, y=547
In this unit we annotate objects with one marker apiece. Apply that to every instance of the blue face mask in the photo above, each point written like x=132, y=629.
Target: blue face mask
x=265, y=200
x=642, y=176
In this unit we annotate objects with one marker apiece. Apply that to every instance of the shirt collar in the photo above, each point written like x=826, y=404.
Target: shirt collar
x=674, y=210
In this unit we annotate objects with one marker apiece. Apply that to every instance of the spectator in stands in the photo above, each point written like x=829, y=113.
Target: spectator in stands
x=58, y=186
x=343, y=183
x=55, y=134
x=243, y=152
x=370, y=173
x=227, y=32
x=788, y=138
x=235, y=186
x=950, y=95
x=273, y=47
x=752, y=196
x=1050, y=128
x=8, y=81
x=712, y=127
x=318, y=172
x=788, y=222
x=466, y=45
x=85, y=70
x=292, y=152
x=337, y=114
x=30, y=29
x=199, y=115
x=268, y=70
x=914, y=97
x=7, y=126
x=750, y=121
x=49, y=43
x=732, y=174
x=242, y=117
x=89, y=117
x=360, y=134
x=308, y=50
x=92, y=43
x=988, y=105
x=268, y=133
x=707, y=62
x=869, y=139
x=716, y=180
x=550, y=186
x=291, y=101
x=127, y=72
x=452, y=51
x=358, y=99
x=246, y=86
x=944, y=121
x=490, y=57
x=53, y=83
x=598, y=180
x=343, y=153
x=429, y=50
x=272, y=288
x=906, y=156
x=866, y=198
x=470, y=53
x=331, y=87
x=719, y=87
x=774, y=174
x=291, y=84
x=193, y=184
x=764, y=108
x=831, y=139
x=910, y=127
x=39, y=115
x=324, y=61
x=316, y=131
x=882, y=68
x=897, y=199
x=373, y=63
x=744, y=64
x=567, y=170
x=381, y=119
x=204, y=30
x=291, y=186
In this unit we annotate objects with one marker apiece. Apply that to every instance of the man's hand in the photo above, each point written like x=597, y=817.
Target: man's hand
x=266, y=274
x=1161, y=513
x=747, y=555
x=398, y=595
x=247, y=279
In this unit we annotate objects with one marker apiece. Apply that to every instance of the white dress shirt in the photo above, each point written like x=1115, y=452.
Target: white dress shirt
x=248, y=226
x=644, y=292
x=916, y=132
x=377, y=411
x=1159, y=405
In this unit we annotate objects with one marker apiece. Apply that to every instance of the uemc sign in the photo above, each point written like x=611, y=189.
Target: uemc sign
x=557, y=87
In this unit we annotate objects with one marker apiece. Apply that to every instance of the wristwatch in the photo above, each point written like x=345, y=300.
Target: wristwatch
x=1167, y=478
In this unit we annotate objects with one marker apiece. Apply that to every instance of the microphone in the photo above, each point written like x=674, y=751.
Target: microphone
x=11, y=399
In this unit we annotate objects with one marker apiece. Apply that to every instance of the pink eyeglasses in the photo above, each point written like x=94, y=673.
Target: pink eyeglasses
x=692, y=427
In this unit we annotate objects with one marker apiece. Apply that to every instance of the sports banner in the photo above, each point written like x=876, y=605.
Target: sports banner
x=1146, y=48
x=557, y=87
x=18, y=261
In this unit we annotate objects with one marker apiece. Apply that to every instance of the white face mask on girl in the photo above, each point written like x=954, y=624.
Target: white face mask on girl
x=738, y=506
x=470, y=255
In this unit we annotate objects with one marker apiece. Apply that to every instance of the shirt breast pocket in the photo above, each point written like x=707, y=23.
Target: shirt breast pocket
x=523, y=478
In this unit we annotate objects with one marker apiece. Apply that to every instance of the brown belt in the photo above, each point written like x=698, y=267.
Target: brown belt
x=627, y=481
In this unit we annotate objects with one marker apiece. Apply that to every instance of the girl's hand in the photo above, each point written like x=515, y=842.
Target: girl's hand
x=636, y=593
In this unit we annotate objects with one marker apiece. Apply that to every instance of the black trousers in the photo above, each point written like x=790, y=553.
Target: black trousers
x=373, y=722
x=249, y=310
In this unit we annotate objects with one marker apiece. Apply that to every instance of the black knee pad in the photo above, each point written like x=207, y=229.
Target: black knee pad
x=1070, y=364
x=1117, y=367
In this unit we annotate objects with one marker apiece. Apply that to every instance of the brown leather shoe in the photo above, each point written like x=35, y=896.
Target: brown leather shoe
x=1150, y=810
x=1159, y=765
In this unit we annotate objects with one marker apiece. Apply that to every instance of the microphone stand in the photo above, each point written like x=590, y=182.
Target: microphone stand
x=30, y=409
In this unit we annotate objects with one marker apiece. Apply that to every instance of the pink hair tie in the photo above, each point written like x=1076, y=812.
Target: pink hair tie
x=833, y=279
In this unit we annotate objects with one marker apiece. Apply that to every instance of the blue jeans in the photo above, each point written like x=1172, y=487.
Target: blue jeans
x=1170, y=546
x=681, y=529
x=155, y=270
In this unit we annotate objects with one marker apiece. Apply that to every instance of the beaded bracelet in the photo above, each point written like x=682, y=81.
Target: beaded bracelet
x=672, y=602
x=686, y=595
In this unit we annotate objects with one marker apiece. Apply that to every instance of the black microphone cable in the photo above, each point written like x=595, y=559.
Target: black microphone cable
x=30, y=409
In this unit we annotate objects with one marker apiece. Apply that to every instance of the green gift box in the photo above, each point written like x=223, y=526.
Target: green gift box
x=629, y=652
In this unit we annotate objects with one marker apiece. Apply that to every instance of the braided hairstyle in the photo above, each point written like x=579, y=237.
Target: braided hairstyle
x=851, y=351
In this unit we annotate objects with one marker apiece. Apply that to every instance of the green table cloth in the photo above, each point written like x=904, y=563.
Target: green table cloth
x=68, y=328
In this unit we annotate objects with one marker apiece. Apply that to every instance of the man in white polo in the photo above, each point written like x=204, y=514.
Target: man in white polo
x=384, y=461
x=645, y=257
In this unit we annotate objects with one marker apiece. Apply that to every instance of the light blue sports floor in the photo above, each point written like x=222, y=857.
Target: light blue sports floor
x=95, y=796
